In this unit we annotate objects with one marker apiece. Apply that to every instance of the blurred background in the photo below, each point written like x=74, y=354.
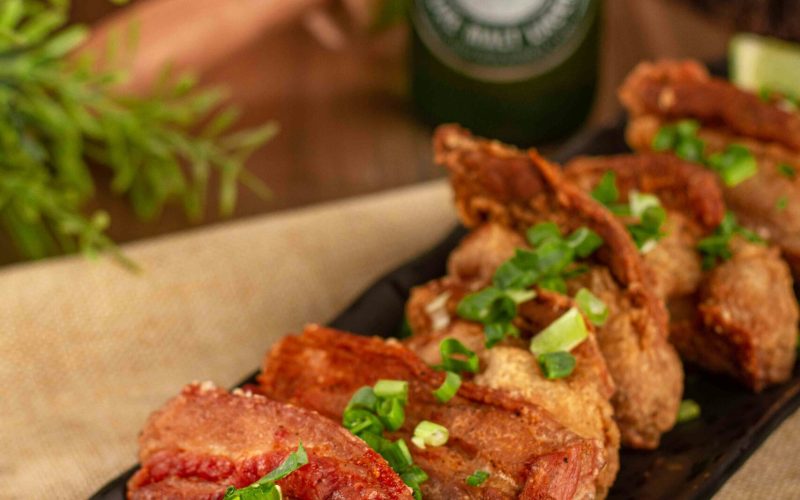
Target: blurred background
x=336, y=77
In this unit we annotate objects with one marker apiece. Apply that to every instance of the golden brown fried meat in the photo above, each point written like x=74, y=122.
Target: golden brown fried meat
x=746, y=323
x=207, y=439
x=659, y=93
x=732, y=332
x=494, y=182
x=689, y=193
x=580, y=402
x=527, y=453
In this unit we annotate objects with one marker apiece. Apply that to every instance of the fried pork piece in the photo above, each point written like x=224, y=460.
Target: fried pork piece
x=733, y=332
x=527, y=453
x=746, y=322
x=207, y=439
x=494, y=182
x=580, y=401
x=663, y=92
x=689, y=193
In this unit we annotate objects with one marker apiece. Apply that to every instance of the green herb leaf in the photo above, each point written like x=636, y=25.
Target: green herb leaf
x=477, y=478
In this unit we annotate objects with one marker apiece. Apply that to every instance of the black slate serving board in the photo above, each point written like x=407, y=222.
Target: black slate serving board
x=694, y=459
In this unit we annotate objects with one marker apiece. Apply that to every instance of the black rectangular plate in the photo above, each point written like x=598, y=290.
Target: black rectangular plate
x=694, y=459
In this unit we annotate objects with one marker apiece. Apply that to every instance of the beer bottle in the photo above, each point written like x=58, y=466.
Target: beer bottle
x=523, y=71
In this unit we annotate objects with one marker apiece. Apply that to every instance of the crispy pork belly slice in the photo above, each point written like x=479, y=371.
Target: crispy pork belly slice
x=494, y=182
x=689, y=193
x=660, y=93
x=206, y=439
x=746, y=325
x=528, y=454
x=580, y=401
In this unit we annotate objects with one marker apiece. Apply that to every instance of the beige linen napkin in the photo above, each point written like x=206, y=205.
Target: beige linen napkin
x=89, y=350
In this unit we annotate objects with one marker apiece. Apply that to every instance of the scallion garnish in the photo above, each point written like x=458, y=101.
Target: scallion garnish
x=429, y=433
x=584, y=242
x=646, y=207
x=563, y=334
x=373, y=410
x=391, y=389
x=265, y=488
x=782, y=203
x=538, y=234
x=734, y=165
x=556, y=364
x=456, y=357
x=688, y=410
x=787, y=171
x=716, y=247
x=592, y=307
x=449, y=387
x=477, y=478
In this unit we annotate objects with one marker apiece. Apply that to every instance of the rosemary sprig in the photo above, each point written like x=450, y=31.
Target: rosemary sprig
x=59, y=115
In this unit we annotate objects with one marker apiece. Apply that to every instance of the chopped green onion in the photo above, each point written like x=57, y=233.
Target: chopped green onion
x=554, y=283
x=392, y=389
x=687, y=129
x=449, y=387
x=374, y=441
x=782, y=203
x=510, y=276
x=520, y=296
x=392, y=413
x=553, y=256
x=688, y=410
x=563, y=334
x=265, y=488
x=716, y=247
x=690, y=149
x=735, y=165
x=467, y=360
x=397, y=455
x=542, y=232
x=556, y=364
x=413, y=477
x=606, y=191
x=364, y=398
x=429, y=433
x=496, y=332
x=665, y=139
x=488, y=305
x=787, y=171
x=591, y=306
x=477, y=478
x=584, y=242
x=640, y=202
x=358, y=420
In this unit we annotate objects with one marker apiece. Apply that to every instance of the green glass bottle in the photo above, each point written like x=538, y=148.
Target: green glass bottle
x=523, y=71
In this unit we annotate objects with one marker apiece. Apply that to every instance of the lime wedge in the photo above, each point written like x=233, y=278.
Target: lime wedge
x=758, y=63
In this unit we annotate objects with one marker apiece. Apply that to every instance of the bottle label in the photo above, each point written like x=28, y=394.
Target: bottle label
x=503, y=40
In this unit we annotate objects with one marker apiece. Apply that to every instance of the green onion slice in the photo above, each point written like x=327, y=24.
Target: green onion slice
x=358, y=420
x=477, y=478
x=542, y=232
x=640, y=202
x=689, y=410
x=488, y=305
x=584, y=242
x=562, y=334
x=556, y=364
x=606, y=191
x=591, y=306
x=429, y=433
x=396, y=454
x=392, y=389
x=735, y=165
x=364, y=399
x=265, y=488
x=449, y=387
x=467, y=360
x=391, y=412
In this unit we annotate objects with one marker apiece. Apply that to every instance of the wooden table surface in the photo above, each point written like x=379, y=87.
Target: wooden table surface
x=347, y=127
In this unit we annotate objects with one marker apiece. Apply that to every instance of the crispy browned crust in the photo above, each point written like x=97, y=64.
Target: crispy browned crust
x=772, y=143
x=684, y=89
x=502, y=184
x=527, y=452
x=747, y=321
x=206, y=439
x=681, y=186
x=580, y=402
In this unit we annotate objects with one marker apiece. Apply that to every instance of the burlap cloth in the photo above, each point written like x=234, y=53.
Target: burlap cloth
x=88, y=349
